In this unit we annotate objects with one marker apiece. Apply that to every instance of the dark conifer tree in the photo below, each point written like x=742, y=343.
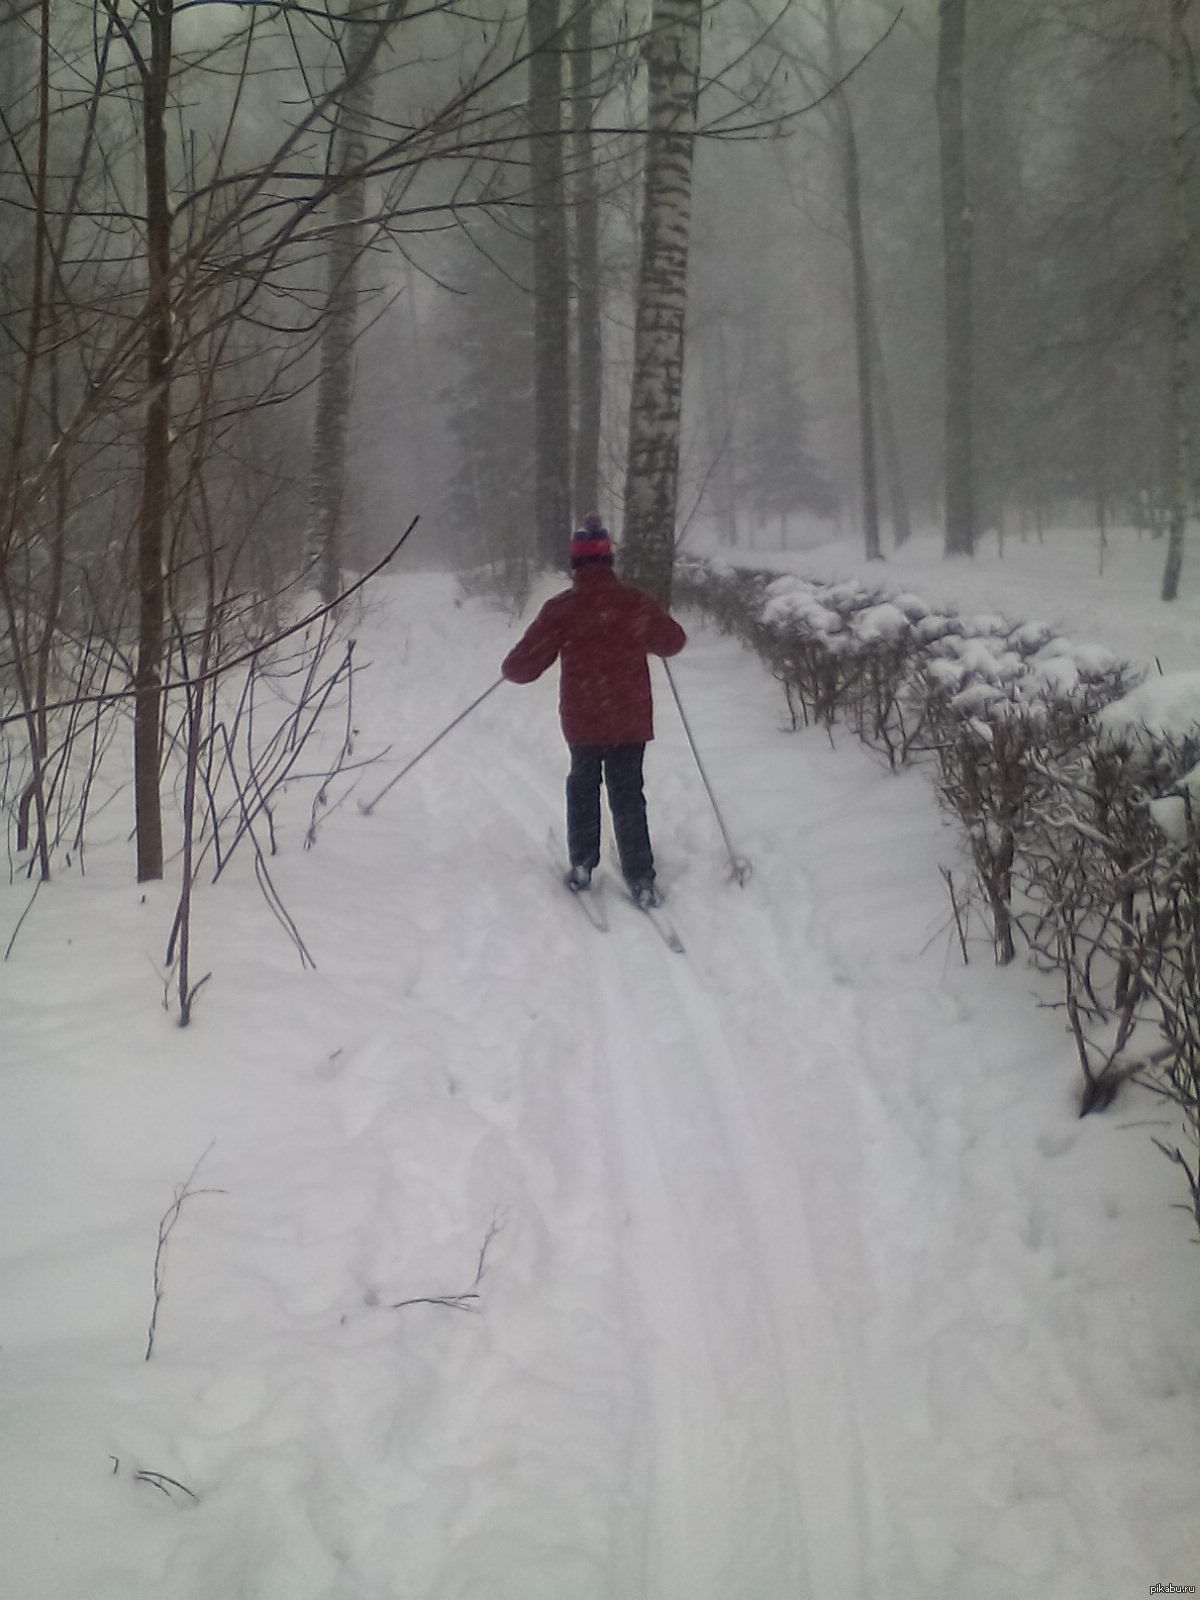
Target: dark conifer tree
x=781, y=477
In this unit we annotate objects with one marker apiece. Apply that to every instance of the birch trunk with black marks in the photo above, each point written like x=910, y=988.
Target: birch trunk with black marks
x=672, y=51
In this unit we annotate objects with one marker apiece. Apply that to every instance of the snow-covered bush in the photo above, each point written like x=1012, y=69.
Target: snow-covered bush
x=807, y=646
x=1077, y=791
x=1089, y=856
x=840, y=651
x=729, y=596
x=1130, y=828
x=252, y=701
x=1007, y=706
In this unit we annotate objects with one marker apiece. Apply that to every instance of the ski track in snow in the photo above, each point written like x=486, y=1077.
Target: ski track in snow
x=750, y=1423
x=747, y=1418
x=746, y=1328
x=743, y=1440
x=767, y=1173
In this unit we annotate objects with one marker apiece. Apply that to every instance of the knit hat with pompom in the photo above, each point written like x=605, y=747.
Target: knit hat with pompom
x=591, y=542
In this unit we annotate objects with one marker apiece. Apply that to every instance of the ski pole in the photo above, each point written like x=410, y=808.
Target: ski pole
x=739, y=867
x=421, y=754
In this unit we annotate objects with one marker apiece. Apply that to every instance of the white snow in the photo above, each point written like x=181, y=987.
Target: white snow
x=1056, y=675
x=1173, y=812
x=800, y=1276
x=1167, y=706
x=885, y=621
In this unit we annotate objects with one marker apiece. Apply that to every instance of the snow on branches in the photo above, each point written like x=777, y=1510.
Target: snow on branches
x=1076, y=788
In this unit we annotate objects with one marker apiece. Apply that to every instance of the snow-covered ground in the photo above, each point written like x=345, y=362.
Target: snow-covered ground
x=782, y=1268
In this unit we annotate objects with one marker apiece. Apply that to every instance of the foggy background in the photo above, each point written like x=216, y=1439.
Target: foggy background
x=1073, y=214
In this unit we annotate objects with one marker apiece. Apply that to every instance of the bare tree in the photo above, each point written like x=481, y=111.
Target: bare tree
x=863, y=318
x=551, y=303
x=153, y=63
x=956, y=235
x=223, y=201
x=589, y=380
x=1181, y=485
x=365, y=28
x=672, y=52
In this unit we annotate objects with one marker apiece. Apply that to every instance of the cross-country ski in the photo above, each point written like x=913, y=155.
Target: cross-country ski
x=590, y=901
x=661, y=923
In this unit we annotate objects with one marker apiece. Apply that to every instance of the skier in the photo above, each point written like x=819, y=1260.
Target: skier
x=603, y=630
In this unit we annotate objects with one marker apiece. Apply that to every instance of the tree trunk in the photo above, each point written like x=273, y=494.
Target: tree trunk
x=156, y=448
x=672, y=51
x=16, y=410
x=1180, y=336
x=335, y=380
x=956, y=234
x=588, y=342
x=890, y=446
x=852, y=194
x=551, y=289
x=719, y=428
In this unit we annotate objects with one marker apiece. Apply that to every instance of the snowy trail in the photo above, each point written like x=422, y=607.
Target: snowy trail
x=749, y=1441
x=763, y=1168
x=774, y=1170
x=747, y=1444
x=756, y=1453
x=801, y=1278
x=722, y=1489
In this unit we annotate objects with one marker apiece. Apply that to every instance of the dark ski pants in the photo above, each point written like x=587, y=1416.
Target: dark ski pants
x=621, y=766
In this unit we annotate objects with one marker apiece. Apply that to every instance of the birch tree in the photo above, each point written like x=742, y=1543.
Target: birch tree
x=672, y=52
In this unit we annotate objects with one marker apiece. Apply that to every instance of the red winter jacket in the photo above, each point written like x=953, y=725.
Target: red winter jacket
x=603, y=630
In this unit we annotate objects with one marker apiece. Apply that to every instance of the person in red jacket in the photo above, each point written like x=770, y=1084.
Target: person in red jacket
x=601, y=631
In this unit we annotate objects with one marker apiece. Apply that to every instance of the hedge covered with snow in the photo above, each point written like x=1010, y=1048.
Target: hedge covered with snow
x=1076, y=788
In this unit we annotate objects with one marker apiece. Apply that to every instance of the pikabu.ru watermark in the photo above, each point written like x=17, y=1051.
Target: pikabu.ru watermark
x=1172, y=1588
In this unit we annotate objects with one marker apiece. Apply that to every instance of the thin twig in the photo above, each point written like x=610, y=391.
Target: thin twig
x=160, y=1481
x=166, y=1224
x=226, y=666
x=8, y=949
x=948, y=876
x=459, y=1302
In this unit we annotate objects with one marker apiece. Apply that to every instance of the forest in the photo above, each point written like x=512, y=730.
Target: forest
x=279, y=281
x=380, y=1224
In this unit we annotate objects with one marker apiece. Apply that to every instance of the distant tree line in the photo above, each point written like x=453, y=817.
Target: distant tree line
x=956, y=291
